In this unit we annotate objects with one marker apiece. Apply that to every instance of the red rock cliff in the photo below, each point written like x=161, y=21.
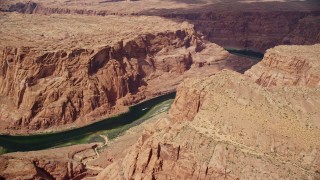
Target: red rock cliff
x=49, y=86
x=231, y=128
x=54, y=88
x=288, y=65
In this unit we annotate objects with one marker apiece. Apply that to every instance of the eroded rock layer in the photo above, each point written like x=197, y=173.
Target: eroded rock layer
x=227, y=127
x=288, y=66
x=62, y=163
x=87, y=74
x=260, y=31
x=255, y=25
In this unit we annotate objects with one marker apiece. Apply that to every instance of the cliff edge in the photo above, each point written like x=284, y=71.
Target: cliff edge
x=229, y=128
x=288, y=66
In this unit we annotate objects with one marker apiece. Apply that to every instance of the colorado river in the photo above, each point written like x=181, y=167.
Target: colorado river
x=110, y=127
x=246, y=53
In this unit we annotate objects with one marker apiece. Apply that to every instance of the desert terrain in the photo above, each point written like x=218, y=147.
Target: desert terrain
x=68, y=64
x=251, y=24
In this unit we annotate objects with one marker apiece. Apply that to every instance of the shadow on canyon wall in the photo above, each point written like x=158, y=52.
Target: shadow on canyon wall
x=256, y=26
x=201, y=6
x=236, y=24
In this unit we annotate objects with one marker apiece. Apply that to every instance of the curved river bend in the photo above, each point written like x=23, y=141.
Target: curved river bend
x=110, y=127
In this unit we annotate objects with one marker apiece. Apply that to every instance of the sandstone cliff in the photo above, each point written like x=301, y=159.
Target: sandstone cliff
x=62, y=163
x=259, y=31
x=95, y=71
x=236, y=24
x=288, y=66
x=230, y=128
x=238, y=130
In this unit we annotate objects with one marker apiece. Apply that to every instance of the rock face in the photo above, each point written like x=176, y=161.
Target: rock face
x=55, y=88
x=28, y=7
x=288, y=66
x=62, y=163
x=45, y=88
x=229, y=128
x=236, y=24
x=259, y=31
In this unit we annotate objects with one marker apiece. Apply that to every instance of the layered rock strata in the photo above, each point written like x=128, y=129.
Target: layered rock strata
x=241, y=24
x=227, y=127
x=62, y=163
x=75, y=81
x=288, y=66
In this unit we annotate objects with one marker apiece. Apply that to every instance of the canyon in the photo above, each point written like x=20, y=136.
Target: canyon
x=224, y=126
x=260, y=137
x=50, y=80
x=66, y=64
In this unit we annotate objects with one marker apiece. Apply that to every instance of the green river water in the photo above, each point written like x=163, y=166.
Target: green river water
x=110, y=127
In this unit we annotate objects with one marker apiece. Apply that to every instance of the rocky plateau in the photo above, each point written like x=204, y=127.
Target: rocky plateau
x=243, y=24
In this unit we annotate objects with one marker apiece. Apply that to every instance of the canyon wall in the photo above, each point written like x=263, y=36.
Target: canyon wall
x=236, y=130
x=231, y=128
x=288, y=66
x=67, y=163
x=259, y=31
x=228, y=127
x=46, y=87
x=254, y=26
x=55, y=88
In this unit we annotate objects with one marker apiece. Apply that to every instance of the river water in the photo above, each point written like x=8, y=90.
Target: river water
x=110, y=127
